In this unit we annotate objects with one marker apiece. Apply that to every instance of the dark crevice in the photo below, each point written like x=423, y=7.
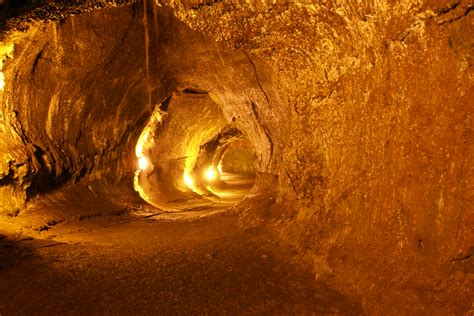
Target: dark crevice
x=9, y=178
x=194, y=91
x=462, y=258
x=89, y=216
x=421, y=244
x=46, y=180
x=469, y=8
x=450, y=7
x=164, y=105
x=20, y=130
x=79, y=136
x=467, y=256
x=36, y=61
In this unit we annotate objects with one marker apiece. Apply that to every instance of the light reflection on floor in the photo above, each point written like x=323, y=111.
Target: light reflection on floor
x=234, y=186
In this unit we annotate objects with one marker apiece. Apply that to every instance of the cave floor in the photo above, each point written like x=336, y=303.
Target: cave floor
x=159, y=265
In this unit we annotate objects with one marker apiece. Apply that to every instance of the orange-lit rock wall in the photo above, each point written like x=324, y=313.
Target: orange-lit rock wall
x=378, y=180
x=65, y=105
x=376, y=176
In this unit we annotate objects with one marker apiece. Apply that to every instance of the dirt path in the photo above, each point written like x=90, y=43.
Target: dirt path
x=205, y=266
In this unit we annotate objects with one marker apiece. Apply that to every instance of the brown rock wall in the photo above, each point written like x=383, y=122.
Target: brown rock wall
x=375, y=186
x=65, y=105
x=378, y=179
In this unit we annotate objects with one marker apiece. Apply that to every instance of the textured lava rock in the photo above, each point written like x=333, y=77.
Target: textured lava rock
x=78, y=93
x=378, y=180
x=63, y=104
x=239, y=157
x=375, y=179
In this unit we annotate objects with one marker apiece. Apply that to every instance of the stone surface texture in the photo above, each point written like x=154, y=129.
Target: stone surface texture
x=378, y=177
x=360, y=114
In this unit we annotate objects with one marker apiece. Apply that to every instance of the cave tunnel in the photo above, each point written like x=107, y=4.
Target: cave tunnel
x=206, y=161
x=227, y=157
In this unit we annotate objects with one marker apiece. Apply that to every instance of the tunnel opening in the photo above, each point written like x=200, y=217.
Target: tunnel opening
x=113, y=101
x=190, y=155
x=225, y=171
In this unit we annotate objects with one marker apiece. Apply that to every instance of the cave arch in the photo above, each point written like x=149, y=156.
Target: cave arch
x=183, y=148
x=77, y=97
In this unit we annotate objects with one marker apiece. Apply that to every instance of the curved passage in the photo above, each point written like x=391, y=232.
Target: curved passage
x=88, y=105
x=180, y=156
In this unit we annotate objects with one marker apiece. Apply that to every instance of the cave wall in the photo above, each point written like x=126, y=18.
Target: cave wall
x=73, y=99
x=239, y=157
x=377, y=185
x=244, y=86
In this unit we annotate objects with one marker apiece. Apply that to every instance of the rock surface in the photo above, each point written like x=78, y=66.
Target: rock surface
x=378, y=178
x=363, y=112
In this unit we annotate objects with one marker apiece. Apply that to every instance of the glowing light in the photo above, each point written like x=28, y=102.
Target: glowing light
x=6, y=51
x=188, y=180
x=2, y=81
x=145, y=142
x=211, y=174
x=219, y=167
x=143, y=163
